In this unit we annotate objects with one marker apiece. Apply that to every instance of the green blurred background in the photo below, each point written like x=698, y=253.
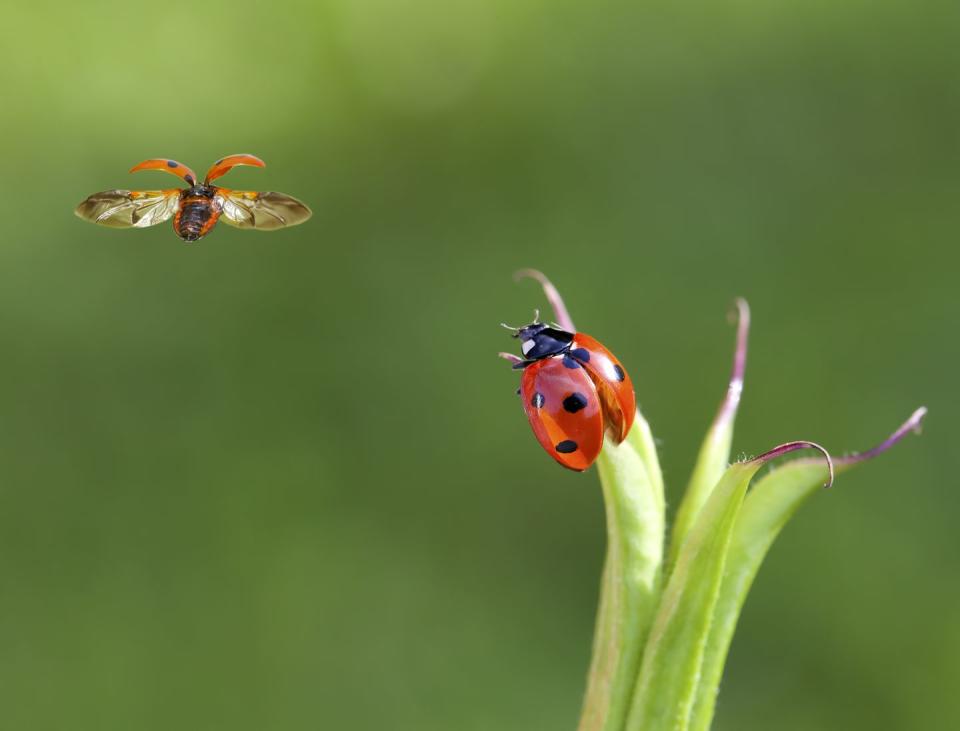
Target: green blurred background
x=281, y=481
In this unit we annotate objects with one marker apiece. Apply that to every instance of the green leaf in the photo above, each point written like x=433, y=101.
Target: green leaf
x=768, y=507
x=668, y=681
x=642, y=440
x=633, y=498
x=714, y=453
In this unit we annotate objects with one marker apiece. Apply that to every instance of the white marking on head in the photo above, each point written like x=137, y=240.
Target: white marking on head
x=526, y=346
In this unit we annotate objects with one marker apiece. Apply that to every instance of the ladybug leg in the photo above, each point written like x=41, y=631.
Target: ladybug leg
x=518, y=363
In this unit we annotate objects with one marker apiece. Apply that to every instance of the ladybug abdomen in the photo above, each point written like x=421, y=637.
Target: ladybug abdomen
x=196, y=216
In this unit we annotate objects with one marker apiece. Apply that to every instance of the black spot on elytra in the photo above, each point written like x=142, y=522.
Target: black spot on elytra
x=567, y=446
x=574, y=402
x=171, y=164
x=538, y=400
x=581, y=354
x=570, y=362
x=619, y=372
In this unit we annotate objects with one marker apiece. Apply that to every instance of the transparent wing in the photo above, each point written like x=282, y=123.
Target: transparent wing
x=262, y=211
x=130, y=208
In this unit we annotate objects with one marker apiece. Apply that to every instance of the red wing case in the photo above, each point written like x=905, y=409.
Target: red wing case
x=563, y=409
x=614, y=387
x=168, y=166
x=223, y=165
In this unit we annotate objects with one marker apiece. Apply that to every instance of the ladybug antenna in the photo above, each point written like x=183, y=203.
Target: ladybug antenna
x=516, y=330
x=555, y=326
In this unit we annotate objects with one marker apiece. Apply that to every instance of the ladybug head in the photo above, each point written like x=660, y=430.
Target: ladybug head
x=538, y=340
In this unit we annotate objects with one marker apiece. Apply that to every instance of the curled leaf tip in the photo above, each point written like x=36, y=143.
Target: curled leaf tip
x=793, y=447
x=741, y=315
x=552, y=295
x=913, y=424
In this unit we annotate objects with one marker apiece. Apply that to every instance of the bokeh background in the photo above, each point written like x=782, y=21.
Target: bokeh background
x=281, y=481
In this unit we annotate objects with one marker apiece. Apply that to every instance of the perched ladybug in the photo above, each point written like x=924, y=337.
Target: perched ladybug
x=196, y=209
x=573, y=390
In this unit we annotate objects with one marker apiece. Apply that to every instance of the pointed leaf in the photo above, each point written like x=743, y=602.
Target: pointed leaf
x=714, y=453
x=672, y=659
x=631, y=579
x=771, y=503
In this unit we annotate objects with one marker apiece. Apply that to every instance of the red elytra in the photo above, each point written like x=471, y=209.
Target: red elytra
x=573, y=391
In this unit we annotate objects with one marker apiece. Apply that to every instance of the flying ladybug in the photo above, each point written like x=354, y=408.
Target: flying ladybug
x=573, y=390
x=195, y=210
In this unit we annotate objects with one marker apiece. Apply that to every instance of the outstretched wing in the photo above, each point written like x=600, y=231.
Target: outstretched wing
x=262, y=211
x=563, y=409
x=126, y=208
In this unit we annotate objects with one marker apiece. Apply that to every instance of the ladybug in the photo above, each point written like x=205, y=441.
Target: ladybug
x=194, y=210
x=573, y=390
